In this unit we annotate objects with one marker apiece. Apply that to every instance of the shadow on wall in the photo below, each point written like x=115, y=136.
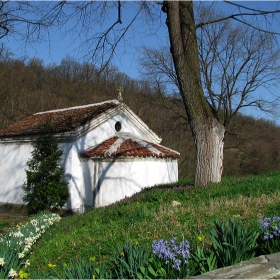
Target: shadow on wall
x=80, y=172
x=110, y=180
x=113, y=183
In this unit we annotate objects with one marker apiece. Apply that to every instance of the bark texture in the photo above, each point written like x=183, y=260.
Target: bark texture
x=208, y=133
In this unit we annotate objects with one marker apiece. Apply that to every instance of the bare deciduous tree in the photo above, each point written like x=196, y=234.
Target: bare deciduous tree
x=234, y=62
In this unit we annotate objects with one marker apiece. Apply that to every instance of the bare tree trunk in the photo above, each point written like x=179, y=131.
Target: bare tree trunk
x=208, y=133
x=209, y=153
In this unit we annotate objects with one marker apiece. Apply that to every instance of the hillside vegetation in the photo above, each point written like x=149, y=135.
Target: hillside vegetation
x=251, y=146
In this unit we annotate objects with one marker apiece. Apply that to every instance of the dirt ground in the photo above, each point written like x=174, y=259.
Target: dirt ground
x=14, y=218
x=14, y=213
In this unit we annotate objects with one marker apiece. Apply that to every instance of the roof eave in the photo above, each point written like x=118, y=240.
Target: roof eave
x=65, y=136
x=124, y=158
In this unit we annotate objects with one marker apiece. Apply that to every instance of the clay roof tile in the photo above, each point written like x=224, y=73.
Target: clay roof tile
x=63, y=120
x=129, y=148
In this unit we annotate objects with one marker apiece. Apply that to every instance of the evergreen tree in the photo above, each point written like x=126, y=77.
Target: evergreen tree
x=45, y=186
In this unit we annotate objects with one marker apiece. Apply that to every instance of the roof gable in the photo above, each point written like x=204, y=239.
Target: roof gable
x=128, y=145
x=72, y=123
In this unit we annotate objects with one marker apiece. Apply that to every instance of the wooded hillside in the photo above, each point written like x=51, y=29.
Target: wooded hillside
x=27, y=87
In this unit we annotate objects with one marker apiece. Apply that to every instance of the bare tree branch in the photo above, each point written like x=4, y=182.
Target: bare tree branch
x=242, y=59
x=235, y=62
x=240, y=17
x=103, y=38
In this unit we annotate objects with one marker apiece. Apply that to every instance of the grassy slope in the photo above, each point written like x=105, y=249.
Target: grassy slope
x=150, y=215
x=4, y=224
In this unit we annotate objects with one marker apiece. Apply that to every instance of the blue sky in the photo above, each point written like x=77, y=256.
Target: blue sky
x=57, y=46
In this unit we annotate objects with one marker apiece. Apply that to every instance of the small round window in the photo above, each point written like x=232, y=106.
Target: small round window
x=118, y=126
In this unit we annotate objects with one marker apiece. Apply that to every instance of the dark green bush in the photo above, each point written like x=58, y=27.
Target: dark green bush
x=45, y=186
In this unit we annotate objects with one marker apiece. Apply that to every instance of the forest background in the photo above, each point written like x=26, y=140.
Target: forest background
x=28, y=86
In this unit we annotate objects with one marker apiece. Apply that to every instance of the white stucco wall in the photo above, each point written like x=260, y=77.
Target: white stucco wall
x=118, y=180
x=77, y=186
x=109, y=181
x=12, y=171
x=106, y=130
x=13, y=163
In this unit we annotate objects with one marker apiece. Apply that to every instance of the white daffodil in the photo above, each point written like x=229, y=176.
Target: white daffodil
x=12, y=273
x=34, y=222
x=18, y=234
x=27, y=263
x=2, y=262
x=26, y=249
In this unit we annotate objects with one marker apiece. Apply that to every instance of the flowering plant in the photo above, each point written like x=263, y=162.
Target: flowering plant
x=270, y=235
x=174, y=256
x=16, y=245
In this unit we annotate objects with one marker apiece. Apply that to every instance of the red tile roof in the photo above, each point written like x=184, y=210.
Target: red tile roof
x=63, y=120
x=129, y=147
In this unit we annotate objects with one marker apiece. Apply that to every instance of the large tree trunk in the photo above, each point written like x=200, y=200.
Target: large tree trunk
x=208, y=133
x=209, y=152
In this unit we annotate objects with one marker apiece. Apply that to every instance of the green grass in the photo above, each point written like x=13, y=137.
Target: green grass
x=4, y=224
x=149, y=215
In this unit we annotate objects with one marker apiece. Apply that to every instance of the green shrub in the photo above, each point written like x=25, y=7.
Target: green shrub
x=45, y=186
